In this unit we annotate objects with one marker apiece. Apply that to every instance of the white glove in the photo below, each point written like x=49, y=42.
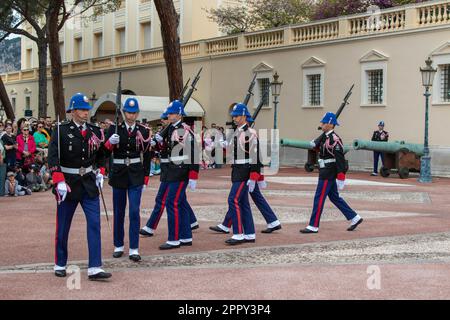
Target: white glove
x=153, y=143
x=251, y=185
x=61, y=188
x=340, y=184
x=192, y=184
x=114, y=139
x=262, y=184
x=99, y=180
x=312, y=143
x=223, y=143
x=158, y=137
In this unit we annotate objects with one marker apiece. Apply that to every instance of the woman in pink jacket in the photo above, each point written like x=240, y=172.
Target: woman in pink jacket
x=26, y=147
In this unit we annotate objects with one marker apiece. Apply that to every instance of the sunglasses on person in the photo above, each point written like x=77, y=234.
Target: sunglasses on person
x=25, y=129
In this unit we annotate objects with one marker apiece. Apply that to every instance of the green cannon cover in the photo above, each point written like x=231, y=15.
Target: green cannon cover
x=390, y=147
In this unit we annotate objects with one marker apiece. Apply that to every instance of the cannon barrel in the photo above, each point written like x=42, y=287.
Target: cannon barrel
x=391, y=147
x=301, y=144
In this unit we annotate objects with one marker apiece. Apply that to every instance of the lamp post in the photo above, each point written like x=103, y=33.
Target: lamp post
x=427, y=81
x=93, y=98
x=276, y=90
x=275, y=145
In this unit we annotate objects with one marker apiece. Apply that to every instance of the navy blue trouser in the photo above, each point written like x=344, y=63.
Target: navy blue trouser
x=328, y=188
x=120, y=203
x=376, y=158
x=239, y=208
x=178, y=218
x=160, y=204
x=65, y=212
x=261, y=204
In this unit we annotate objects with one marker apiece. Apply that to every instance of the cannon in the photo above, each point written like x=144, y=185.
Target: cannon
x=311, y=162
x=398, y=155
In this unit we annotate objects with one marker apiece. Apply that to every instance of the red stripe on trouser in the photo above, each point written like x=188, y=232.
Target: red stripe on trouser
x=175, y=205
x=238, y=209
x=56, y=237
x=321, y=201
x=163, y=204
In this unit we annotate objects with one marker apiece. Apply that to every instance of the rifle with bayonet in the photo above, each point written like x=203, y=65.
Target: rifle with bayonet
x=246, y=100
x=338, y=113
x=184, y=90
x=186, y=99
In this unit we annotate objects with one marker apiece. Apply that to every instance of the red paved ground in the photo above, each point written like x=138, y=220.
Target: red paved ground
x=27, y=237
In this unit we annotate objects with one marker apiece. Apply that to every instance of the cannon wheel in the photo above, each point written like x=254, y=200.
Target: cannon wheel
x=403, y=173
x=385, y=172
x=309, y=167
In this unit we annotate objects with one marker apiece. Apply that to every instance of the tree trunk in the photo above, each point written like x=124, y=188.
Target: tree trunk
x=42, y=53
x=5, y=101
x=171, y=43
x=55, y=57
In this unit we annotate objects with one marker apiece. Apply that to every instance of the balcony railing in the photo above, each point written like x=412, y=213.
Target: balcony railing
x=410, y=17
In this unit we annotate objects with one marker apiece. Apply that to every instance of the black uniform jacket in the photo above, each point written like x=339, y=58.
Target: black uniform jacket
x=135, y=145
x=181, y=144
x=331, y=147
x=245, y=147
x=75, y=152
x=380, y=136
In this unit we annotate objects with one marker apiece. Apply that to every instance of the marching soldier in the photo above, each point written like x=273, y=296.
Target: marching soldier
x=381, y=136
x=161, y=196
x=75, y=153
x=182, y=170
x=331, y=176
x=129, y=175
x=246, y=169
x=272, y=221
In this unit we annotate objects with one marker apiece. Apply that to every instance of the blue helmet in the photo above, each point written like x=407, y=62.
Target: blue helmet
x=79, y=102
x=240, y=109
x=381, y=124
x=164, y=115
x=176, y=107
x=330, y=118
x=131, y=105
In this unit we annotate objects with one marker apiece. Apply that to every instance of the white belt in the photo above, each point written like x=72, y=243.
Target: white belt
x=328, y=160
x=242, y=161
x=81, y=171
x=164, y=160
x=127, y=161
x=180, y=158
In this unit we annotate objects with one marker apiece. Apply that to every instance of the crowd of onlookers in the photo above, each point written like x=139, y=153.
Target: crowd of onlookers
x=24, y=151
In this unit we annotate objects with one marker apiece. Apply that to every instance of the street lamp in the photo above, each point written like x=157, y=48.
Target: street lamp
x=276, y=89
x=93, y=98
x=275, y=148
x=427, y=81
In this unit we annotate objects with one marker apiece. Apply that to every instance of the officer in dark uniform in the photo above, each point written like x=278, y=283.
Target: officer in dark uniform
x=261, y=203
x=246, y=169
x=332, y=169
x=130, y=173
x=182, y=171
x=161, y=196
x=379, y=135
x=77, y=160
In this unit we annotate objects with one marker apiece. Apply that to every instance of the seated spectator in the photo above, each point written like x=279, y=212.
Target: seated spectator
x=20, y=177
x=46, y=175
x=26, y=148
x=34, y=180
x=13, y=188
